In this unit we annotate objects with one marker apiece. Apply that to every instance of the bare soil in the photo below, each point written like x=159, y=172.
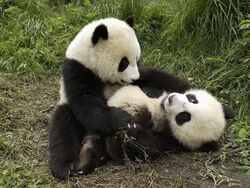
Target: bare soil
x=25, y=108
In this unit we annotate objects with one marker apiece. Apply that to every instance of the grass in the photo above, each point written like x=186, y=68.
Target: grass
x=206, y=42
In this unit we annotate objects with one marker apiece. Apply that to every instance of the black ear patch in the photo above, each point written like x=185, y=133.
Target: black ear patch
x=182, y=118
x=130, y=21
x=228, y=112
x=101, y=31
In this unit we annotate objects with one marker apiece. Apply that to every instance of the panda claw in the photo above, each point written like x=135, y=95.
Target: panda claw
x=80, y=172
x=126, y=136
x=134, y=125
x=129, y=126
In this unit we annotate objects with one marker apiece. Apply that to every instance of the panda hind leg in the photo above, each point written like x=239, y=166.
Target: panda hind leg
x=64, y=142
x=114, y=148
x=92, y=154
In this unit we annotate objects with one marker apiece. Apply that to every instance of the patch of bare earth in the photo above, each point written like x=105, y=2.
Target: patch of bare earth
x=25, y=109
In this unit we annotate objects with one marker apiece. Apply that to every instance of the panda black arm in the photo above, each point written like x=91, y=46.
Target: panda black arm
x=96, y=117
x=146, y=138
x=84, y=93
x=152, y=77
x=161, y=141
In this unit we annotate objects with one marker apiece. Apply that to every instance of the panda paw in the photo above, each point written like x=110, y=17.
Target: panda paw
x=63, y=172
x=86, y=169
x=133, y=130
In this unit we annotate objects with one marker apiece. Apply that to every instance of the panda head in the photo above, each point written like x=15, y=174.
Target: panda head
x=196, y=118
x=109, y=48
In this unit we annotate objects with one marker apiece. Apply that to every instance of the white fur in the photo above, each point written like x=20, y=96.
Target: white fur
x=207, y=118
x=110, y=89
x=104, y=57
x=132, y=99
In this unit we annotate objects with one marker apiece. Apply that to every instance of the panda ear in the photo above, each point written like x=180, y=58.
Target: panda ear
x=130, y=21
x=101, y=31
x=228, y=112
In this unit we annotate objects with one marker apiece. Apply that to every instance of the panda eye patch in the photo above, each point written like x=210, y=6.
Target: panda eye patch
x=192, y=98
x=182, y=118
x=123, y=64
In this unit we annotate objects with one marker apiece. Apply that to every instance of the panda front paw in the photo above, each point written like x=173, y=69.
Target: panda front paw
x=85, y=170
x=133, y=130
x=119, y=119
x=63, y=172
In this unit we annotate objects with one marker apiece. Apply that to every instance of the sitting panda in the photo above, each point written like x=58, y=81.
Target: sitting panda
x=102, y=57
x=192, y=121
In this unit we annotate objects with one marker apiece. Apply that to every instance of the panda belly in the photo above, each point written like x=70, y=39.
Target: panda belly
x=145, y=110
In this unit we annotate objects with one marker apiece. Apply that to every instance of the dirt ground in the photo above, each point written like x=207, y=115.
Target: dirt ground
x=25, y=109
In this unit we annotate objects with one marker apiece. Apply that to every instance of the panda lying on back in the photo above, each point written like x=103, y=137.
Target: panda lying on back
x=192, y=121
x=103, y=54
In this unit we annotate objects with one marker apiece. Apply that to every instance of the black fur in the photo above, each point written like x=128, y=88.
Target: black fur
x=161, y=142
x=114, y=148
x=151, y=77
x=101, y=31
x=152, y=92
x=164, y=141
x=182, y=118
x=130, y=21
x=92, y=154
x=192, y=98
x=123, y=64
x=209, y=146
x=144, y=118
x=143, y=143
x=64, y=145
x=228, y=112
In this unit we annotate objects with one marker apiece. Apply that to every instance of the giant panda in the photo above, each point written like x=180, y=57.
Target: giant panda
x=189, y=121
x=102, y=57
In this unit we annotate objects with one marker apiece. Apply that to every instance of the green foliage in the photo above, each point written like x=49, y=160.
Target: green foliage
x=245, y=26
x=239, y=146
x=5, y=145
x=16, y=175
x=198, y=25
x=35, y=34
x=245, y=169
